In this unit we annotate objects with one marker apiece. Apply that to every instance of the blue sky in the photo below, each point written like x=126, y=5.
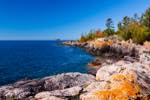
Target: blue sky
x=64, y=19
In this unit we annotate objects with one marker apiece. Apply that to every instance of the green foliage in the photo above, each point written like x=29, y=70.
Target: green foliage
x=124, y=29
x=139, y=32
x=131, y=28
x=145, y=19
x=109, y=32
x=135, y=28
x=126, y=21
x=109, y=23
x=83, y=39
x=136, y=18
x=91, y=36
x=110, y=27
x=126, y=35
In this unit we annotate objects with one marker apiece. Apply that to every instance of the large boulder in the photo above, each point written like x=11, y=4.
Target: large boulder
x=21, y=89
x=142, y=72
x=67, y=80
x=120, y=80
x=119, y=87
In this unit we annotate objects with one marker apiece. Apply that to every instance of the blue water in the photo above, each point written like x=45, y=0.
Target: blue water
x=36, y=59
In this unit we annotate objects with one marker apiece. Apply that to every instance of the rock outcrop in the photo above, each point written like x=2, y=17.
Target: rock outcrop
x=123, y=80
x=107, y=47
x=126, y=79
x=29, y=88
x=122, y=70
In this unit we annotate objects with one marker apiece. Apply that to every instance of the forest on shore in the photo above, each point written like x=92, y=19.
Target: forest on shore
x=136, y=28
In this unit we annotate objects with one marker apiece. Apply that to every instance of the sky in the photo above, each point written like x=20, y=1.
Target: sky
x=61, y=19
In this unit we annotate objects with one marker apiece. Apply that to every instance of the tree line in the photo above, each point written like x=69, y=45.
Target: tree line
x=136, y=28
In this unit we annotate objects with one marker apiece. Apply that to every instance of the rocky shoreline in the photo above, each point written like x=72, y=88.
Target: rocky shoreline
x=117, y=58
x=121, y=69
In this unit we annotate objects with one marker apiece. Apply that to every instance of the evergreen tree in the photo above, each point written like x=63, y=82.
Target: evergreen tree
x=146, y=18
x=110, y=27
x=126, y=21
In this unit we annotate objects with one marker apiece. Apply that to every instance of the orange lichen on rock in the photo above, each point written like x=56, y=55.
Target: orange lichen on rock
x=103, y=43
x=121, y=77
x=121, y=87
x=93, y=65
x=147, y=44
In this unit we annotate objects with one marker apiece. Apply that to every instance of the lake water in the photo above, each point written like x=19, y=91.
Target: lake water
x=36, y=59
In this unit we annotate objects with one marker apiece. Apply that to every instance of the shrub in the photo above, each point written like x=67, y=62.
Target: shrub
x=109, y=32
x=135, y=31
x=123, y=28
x=83, y=39
x=145, y=19
x=139, y=32
x=91, y=36
x=124, y=34
x=99, y=34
